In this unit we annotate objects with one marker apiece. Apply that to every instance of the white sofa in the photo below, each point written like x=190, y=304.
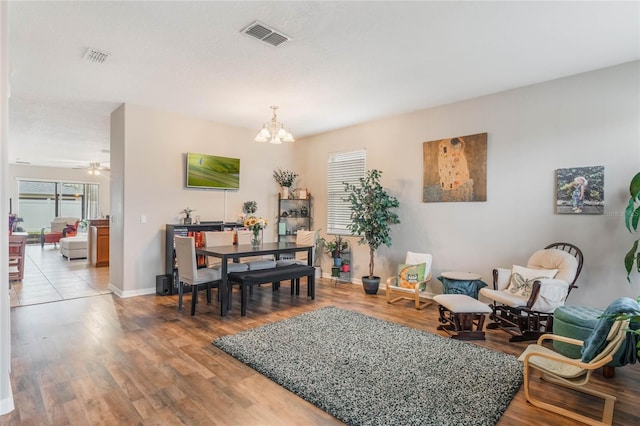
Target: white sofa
x=74, y=247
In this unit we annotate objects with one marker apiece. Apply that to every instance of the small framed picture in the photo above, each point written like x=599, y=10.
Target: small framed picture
x=580, y=190
x=302, y=194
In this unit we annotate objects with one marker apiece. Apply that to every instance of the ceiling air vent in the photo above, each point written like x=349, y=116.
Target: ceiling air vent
x=94, y=55
x=265, y=33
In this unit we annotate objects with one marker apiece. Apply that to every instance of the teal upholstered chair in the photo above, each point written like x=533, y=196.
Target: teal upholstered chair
x=577, y=322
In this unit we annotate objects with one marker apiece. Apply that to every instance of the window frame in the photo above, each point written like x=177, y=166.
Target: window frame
x=346, y=166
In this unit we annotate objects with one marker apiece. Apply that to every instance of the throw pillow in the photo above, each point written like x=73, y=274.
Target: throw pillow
x=410, y=275
x=522, y=279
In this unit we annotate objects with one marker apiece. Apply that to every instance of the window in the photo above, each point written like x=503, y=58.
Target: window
x=342, y=167
x=41, y=201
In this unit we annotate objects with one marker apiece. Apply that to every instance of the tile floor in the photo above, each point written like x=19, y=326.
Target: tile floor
x=49, y=277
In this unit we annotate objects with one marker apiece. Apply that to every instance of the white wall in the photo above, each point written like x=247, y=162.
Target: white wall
x=591, y=119
x=57, y=174
x=148, y=149
x=6, y=395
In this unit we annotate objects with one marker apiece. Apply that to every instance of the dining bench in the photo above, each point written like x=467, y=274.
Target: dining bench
x=293, y=273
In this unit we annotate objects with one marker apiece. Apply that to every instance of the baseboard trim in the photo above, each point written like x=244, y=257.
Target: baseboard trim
x=6, y=404
x=131, y=293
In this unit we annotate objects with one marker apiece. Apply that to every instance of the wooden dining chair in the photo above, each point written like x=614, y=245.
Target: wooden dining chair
x=17, y=244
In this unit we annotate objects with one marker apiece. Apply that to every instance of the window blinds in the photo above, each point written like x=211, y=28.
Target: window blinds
x=342, y=167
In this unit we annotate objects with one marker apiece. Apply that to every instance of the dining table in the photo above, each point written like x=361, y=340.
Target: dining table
x=237, y=251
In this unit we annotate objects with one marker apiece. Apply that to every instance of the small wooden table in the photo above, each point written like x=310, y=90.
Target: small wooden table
x=462, y=283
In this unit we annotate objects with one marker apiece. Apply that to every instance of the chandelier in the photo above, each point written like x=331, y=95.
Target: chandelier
x=273, y=131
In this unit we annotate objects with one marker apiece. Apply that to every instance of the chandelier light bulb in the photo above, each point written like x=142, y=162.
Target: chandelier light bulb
x=274, y=131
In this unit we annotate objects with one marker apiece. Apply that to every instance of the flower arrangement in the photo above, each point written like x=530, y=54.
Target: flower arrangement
x=13, y=218
x=285, y=178
x=255, y=224
x=250, y=207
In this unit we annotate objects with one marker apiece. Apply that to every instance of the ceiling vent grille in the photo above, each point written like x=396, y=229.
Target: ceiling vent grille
x=94, y=55
x=265, y=33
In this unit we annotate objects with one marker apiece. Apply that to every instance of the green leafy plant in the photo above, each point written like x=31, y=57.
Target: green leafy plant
x=371, y=213
x=334, y=248
x=187, y=212
x=631, y=216
x=250, y=207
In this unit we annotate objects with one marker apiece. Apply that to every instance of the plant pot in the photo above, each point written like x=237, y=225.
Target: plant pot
x=285, y=192
x=337, y=261
x=335, y=271
x=187, y=221
x=345, y=268
x=370, y=285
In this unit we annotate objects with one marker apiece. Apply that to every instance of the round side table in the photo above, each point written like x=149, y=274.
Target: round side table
x=462, y=283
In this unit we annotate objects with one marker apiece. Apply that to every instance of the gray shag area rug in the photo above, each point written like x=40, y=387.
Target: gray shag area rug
x=366, y=371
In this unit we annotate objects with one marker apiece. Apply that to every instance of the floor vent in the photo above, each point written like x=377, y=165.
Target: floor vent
x=265, y=33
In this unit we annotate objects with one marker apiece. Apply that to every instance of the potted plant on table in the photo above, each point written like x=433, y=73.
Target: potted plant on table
x=248, y=209
x=187, y=215
x=285, y=179
x=371, y=219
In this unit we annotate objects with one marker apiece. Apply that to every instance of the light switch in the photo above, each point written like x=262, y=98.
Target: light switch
x=143, y=219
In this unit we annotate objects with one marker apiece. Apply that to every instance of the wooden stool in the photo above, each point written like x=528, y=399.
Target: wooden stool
x=459, y=313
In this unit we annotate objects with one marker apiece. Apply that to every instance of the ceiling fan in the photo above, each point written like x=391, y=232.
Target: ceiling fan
x=95, y=168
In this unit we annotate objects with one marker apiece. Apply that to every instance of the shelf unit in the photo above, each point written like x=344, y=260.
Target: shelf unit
x=293, y=214
x=344, y=277
x=197, y=231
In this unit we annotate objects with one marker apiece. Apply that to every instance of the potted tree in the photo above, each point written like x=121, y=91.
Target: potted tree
x=371, y=219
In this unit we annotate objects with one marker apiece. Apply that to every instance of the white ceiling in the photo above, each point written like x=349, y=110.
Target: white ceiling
x=347, y=62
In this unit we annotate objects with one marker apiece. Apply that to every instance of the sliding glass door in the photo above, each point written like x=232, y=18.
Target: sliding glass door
x=40, y=202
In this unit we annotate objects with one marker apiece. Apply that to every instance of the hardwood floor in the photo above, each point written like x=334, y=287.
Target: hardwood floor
x=106, y=360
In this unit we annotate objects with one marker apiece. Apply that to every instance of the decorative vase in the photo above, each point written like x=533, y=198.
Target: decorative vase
x=337, y=261
x=371, y=285
x=285, y=192
x=256, y=240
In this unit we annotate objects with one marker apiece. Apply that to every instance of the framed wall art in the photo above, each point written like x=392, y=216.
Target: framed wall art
x=580, y=190
x=455, y=169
